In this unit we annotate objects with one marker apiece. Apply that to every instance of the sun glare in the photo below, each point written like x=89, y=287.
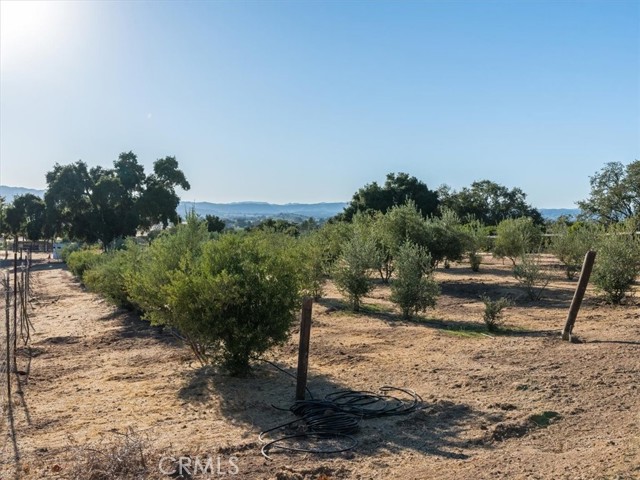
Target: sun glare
x=28, y=29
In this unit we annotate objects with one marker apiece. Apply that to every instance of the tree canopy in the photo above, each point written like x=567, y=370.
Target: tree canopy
x=397, y=190
x=615, y=193
x=94, y=204
x=488, y=202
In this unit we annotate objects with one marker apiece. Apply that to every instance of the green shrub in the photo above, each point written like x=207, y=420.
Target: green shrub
x=531, y=276
x=312, y=265
x=68, y=249
x=108, y=277
x=230, y=298
x=493, y=311
x=351, y=270
x=82, y=260
x=617, y=265
x=475, y=260
x=570, y=244
x=516, y=237
x=413, y=289
x=477, y=241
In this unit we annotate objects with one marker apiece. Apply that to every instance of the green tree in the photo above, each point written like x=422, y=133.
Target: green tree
x=414, y=288
x=615, y=193
x=159, y=200
x=26, y=216
x=214, y=223
x=617, y=264
x=488, y=202
x=100, y=204
x=571, y=243
x=516, y=237
x=397, y=190
x=351, y=270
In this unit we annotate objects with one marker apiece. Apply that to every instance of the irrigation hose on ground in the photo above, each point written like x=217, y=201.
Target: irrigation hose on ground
x=337, y=417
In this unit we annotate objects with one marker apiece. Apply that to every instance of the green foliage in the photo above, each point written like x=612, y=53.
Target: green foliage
x=442, y=237
x=278, y=225
x=100, y=204
x=570, y=244
x=516, y=237
x=230, y=298
x=477, y=241
x=68, y=249
x=493, y=311
x=413, y=289
x=214, y=223
x=82, y=260
x=25, y=216
x=488, y=202
x=332, y=236
x=312, y=265
x=617, y=264
x=351, y=270
x=397, y=190
x=108, y=277
x=615, y=193
x=531, y=276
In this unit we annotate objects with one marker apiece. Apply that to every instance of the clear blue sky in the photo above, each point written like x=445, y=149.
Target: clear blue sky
x=307, y=101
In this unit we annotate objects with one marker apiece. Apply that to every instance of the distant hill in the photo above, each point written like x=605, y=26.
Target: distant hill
x=555, y=213
x=258, y=210
x=263, y=209
x=9, y=192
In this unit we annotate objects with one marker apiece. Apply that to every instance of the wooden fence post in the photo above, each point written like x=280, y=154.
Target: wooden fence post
x=15, y=310
x=303, y=351
x=587, y=267
x=7, y=324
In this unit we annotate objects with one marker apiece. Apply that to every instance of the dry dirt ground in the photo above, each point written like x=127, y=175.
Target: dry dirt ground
x=93, y=375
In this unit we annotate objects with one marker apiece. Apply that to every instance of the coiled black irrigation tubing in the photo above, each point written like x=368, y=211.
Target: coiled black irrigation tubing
x=336, y=418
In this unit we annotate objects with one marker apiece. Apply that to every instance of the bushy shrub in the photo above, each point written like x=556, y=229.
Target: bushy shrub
x=82, y=260
x=493, y=311
x=312, y=265
x=68, y=249
x=351, y=270
x=230, y=298
x=570, y=244
x=617, y=265
x=414, y=288
x=531, y=276
x=516, y=237
x=108, y=277
x=477, y=241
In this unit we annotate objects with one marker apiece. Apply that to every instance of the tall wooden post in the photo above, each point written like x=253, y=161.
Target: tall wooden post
x=587, y=267
x=303, y=349
x=7, y=325
x=15, y=310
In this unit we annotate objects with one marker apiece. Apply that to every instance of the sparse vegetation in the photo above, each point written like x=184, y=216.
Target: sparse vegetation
x=532, y=276
x=494, y=311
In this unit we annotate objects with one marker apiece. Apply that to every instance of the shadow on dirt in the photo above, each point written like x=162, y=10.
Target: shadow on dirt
x=262, y=402
x=134, y=327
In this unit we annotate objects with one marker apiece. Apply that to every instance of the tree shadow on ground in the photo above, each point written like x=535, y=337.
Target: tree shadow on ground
x=550, y=297
x=262, y=401
x=134, y=327
x=470, y=328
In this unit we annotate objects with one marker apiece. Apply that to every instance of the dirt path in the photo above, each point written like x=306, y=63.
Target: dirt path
x=95, y=373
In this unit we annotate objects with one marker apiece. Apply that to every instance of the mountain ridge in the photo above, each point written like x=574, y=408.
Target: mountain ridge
x=257, y=209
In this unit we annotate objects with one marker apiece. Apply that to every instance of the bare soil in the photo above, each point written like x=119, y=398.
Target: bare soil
x=520, y=404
